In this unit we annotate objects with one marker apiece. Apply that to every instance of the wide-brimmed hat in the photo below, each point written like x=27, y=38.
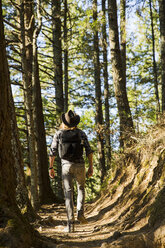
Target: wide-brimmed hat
x=71, y=119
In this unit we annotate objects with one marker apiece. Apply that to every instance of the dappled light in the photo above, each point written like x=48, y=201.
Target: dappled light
x=82, y=124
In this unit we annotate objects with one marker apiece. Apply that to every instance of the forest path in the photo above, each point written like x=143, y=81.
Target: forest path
x=110, y=218
x=117, y=216
x=130, y=211
x=106, y=223
x=53, y=226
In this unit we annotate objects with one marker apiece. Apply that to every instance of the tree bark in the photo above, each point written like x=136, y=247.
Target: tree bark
x=123, y=36
x=99, y=113
x=27, y=22
x=58, y=80
x=21, y=191
x=154, y=64
x=126, y=122
x=57, y=57
x=45, y=191
x=15, y=231
x=106, y=88
x=65, y=57
x=162, y=42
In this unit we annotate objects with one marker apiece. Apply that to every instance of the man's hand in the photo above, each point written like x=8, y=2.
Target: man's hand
x=51, y=173
x=51, y=170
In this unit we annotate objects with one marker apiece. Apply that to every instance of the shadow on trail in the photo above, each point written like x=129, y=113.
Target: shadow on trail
x=98, y=242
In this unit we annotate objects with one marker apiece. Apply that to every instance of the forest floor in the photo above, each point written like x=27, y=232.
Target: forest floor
x=130, y=213
x=89, y=235
x=105, y=225
x=99, y=232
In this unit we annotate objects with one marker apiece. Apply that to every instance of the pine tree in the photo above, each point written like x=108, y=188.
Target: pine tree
x=123, y=35
x=22, y=198
x=45, y=191
x=57, y=57
x=106, y=86
x=154, y=62
x=126, y=122
x=162, y=40
x=27, y=22
x=12, y=223
x=66, y=79
x=98, y=102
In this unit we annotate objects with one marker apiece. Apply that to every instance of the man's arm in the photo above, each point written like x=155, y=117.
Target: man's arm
x=90, y=169
x=51, y=170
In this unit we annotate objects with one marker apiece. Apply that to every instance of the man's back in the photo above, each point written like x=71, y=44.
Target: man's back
x=70, y=145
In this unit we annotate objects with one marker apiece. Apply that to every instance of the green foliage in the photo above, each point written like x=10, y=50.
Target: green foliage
x=80, y=24
x=140, y=77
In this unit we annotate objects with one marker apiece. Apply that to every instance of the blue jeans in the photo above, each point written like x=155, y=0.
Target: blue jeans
x=72, y=171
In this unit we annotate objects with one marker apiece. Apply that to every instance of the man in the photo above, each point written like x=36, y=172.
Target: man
x=70, y=142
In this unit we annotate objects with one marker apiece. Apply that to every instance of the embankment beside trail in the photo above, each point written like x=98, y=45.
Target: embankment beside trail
x=133, y=204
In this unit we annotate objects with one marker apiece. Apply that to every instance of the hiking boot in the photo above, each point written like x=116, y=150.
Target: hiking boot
x=82, y=219
x=70, y=227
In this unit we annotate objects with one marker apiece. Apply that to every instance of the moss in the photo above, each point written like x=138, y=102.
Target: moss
x=11, y=223
x=24, y=210
x=16, y=232
x=15, y=227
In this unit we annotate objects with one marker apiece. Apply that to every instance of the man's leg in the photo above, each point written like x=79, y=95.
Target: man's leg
x=67, y=178
x=80, y=179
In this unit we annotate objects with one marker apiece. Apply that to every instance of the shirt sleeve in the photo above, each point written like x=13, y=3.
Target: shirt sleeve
x=54, y=145
x=86, y=144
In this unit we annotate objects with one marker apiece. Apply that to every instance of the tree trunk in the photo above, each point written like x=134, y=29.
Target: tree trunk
x=99, y=113
x=27, y=21
x=15, y=231
x=106, y=88
x=154, y=64
x=57, y=57
x=123, y=36
x=65, y=56
x=126, y=122
x=162, y=42
x=21, y=191
x=58, y=80
x=45, y=191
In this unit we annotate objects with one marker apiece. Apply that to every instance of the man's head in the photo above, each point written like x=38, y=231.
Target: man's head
x=70, y=119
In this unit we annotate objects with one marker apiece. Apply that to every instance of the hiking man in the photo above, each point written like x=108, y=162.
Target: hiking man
x=70, y=142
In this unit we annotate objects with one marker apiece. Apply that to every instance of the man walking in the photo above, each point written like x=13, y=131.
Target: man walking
x=70, y=142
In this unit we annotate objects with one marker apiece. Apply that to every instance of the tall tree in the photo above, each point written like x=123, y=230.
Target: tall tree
x=126, y=122
x=65, y=56
x=154, y=62
x=106, y=87
x=15, y=229
x=98, y=102
x=123, y=35
x=57, y=56
x=58, y=79
x=27, y=23
x=21, y=190
x=162, y=42
x=45, y=191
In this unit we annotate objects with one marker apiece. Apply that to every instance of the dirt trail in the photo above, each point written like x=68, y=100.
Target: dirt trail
x=129, y=214
x=109, y=219
x=94, y=234
x=115, y=215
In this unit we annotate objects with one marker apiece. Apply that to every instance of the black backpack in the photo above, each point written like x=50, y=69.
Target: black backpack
x=70, y=145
